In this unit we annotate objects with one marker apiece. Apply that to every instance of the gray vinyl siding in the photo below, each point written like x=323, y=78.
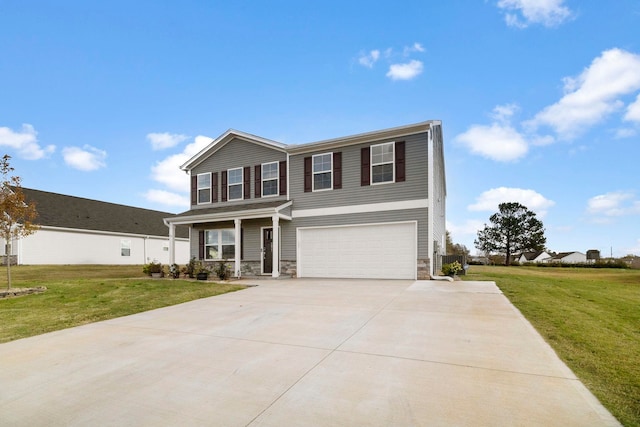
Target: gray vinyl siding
x=238, y=154
x=352, y=193
x=440, y=191
x=420, y=215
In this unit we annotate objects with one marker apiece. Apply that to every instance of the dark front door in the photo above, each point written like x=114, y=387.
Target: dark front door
x=267, y=250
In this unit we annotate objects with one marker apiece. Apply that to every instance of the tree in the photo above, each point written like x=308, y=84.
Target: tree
x=455, y=248
x=18, y=216
x=514, y=228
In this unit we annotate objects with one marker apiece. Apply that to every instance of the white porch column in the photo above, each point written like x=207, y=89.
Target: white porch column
x=238, y=240
x=172, y=243
x=275, y=272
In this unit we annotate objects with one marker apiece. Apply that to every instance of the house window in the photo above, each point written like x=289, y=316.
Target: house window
x=382, y=163
x=125, y=247
x=322, y=172
x=204, y=188
x=235, y=184
x=219, y=244
x=270, y=179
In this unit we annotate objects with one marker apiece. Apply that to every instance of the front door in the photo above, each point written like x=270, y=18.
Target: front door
x=267, y=250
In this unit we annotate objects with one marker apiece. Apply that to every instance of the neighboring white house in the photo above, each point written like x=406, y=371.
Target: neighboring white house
x=536, y=257
x=75, y=230
x=568, y=258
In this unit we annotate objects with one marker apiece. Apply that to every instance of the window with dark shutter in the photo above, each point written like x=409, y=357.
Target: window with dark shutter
x=257, y=181
x=223, y=184
x=337, y=170
x=307, y=175
x=365, y=164
x=400, y=162
x=214, y=187
x=283, y=178
x=194, y=189
x=201, y=244
x=247, y=182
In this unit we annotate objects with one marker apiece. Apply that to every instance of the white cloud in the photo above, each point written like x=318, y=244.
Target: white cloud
x=167, y=198
x=25, y=142
x=167, y=171
x=489, y=200
x=613, y=204
x=416, y=47
x=593, y=95
x=633, y=111
x=405, y=71
x=498, y=142
x=160, y=141
x=503, y=113
x=625, y=133
x=368, y=59
x=87, y=158
x=522, y=13
x=469, y=228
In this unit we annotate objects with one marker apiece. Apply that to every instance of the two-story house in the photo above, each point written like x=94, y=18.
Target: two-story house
x=370, y=205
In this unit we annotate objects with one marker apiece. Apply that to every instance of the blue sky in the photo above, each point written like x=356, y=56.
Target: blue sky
x=539, y=99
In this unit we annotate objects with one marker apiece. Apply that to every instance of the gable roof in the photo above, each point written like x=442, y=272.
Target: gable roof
x=225, y=138
x=228, y=136
x=59, y=210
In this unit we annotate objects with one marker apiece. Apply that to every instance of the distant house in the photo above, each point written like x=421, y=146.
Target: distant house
x=568, y=258
x=75, y=230
x=536, y=257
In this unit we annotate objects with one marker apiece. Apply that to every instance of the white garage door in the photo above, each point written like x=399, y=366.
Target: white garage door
x=384, y=251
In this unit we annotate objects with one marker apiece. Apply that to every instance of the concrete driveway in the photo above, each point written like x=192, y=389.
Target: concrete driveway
x=302, y=353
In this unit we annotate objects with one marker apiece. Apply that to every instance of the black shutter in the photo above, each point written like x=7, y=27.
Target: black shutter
x=400, y=161
x=223, y=194
x=257, y=181
x=241, y=244
x=201, y=244
x=308, y=175
x=337, y=171
x=214, y=187
x=282, y=170
x=365, y=163
x=194, y=190
x=246, y=175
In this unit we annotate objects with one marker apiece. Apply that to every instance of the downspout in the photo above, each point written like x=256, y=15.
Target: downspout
x=431, y=213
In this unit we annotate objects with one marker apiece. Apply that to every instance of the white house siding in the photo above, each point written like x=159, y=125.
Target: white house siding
x=574, y=258
x=66, y=246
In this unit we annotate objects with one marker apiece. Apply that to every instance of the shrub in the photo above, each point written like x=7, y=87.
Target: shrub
x=451, y=269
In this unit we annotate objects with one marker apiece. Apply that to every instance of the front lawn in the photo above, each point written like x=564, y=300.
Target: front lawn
x=77, y=295
x=591, y=318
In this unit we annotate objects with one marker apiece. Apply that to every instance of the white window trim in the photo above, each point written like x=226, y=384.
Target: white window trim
x=202, y=188
x=393, y=162
x=313, y=173
x=219, y=244
x=241, y=184
x=277, y=179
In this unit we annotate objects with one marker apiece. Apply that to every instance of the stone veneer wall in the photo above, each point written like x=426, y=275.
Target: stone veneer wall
x=423, y=269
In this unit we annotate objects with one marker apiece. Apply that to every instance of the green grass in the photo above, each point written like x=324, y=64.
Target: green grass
x=591, y=318
x=77, y=295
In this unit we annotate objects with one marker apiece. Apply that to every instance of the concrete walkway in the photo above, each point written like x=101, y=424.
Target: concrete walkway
x=302, y=353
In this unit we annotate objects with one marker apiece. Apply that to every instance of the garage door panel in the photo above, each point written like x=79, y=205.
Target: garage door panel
x=369, y=251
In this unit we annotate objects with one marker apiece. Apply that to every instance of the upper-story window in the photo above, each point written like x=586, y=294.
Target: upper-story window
x=269, y=179
x=235, y=184
x=204, y=188
x=382, y=163
x=323, y=172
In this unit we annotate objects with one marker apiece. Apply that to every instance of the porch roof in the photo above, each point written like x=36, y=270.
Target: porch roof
x=228, y=213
